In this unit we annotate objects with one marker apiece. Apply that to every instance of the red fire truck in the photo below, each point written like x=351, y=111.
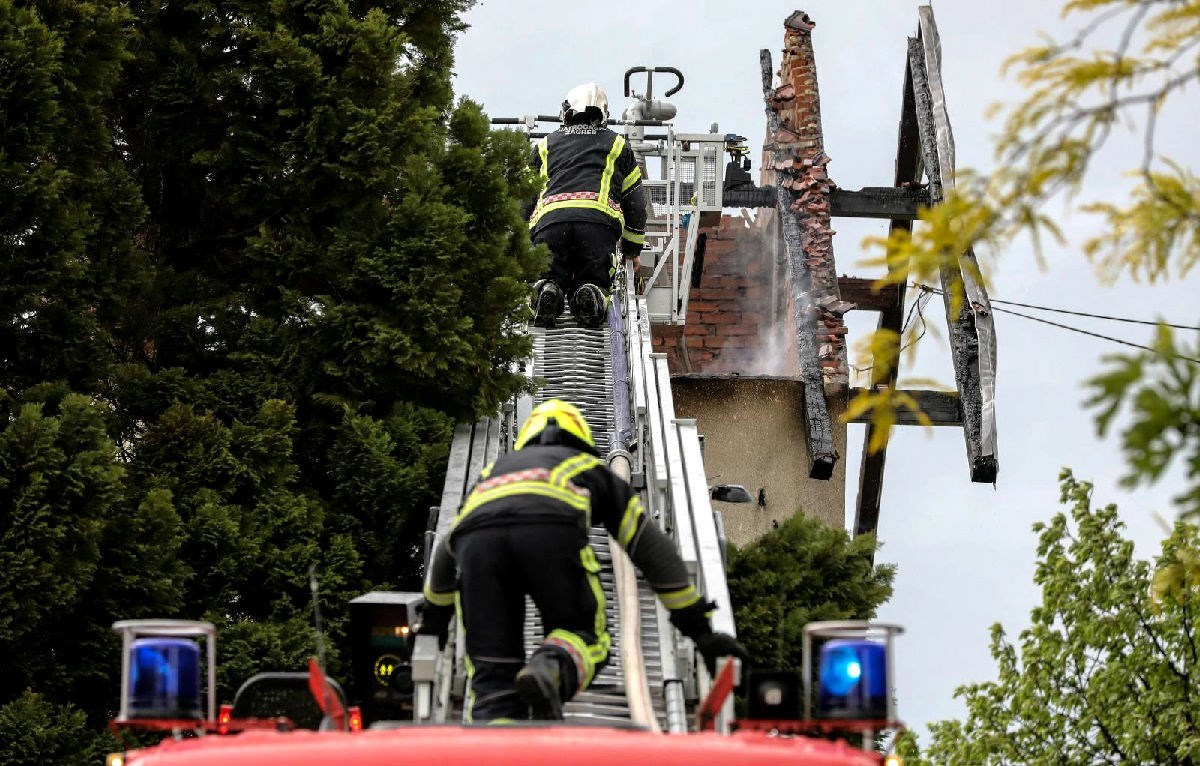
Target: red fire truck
x=305, y=719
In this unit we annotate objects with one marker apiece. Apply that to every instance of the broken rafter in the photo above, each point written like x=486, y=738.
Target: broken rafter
x=889, y=202
x=943, y=408
x=972, y=330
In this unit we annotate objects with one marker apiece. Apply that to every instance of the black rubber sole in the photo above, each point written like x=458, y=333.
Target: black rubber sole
x=540, y=695
x=544, y=310
x=589, y=310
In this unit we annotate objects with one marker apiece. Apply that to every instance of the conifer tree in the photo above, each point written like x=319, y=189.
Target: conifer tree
x=802, y=572
x=280, y=261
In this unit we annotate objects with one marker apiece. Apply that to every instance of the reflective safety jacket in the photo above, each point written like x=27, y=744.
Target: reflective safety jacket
x=559, y=484
x=590, y=174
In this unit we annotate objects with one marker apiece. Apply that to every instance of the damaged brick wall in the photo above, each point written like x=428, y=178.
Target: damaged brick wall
x=741, y=318
x=799, y=159
x=731, y=317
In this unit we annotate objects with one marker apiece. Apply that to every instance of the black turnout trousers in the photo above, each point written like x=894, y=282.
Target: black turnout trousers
x=498, y=567
x=584, y=252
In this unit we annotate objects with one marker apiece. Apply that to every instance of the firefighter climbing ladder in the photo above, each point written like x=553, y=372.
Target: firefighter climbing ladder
x=653, y=678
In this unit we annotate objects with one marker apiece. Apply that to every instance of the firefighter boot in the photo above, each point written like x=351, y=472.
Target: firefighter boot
x=589, y=304
x=547, y=303
x=544, y=683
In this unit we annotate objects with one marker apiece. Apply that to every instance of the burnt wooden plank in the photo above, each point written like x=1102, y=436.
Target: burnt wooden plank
x=888, y=202
x=862, y=293
x=978, y=430
x=822, y=454
x=891, y=202
x=943, y=408
x=984, y=465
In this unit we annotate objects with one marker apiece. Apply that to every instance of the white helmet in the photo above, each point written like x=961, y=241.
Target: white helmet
x=582, y=97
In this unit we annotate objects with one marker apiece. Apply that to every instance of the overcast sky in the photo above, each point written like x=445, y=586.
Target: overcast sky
x=965, y=552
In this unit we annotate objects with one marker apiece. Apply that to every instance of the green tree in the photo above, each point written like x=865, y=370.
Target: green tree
x=802, y=572
x=68, y=208
x=35, y=732
x=1106, y=672
x=331, y=232
x=57, y=480
x=280, y=261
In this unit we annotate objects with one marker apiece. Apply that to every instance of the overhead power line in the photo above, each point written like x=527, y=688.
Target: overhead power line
x=1081, y=331
x=1068, y=311
x=1097, y=316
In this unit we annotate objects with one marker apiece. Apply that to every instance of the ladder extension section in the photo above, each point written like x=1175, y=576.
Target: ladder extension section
x=653, y=678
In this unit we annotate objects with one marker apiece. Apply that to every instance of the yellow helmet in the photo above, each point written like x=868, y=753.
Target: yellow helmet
x=572, y=427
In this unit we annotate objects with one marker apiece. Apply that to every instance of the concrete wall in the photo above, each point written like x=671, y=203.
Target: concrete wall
x=753, y=430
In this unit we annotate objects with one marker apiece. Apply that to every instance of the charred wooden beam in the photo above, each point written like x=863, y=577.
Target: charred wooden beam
x=972, y=330
x=748, y=196
x=822, y=454
x=889, y=202
x=943, y=408
x=865, y=297
x=907, y=173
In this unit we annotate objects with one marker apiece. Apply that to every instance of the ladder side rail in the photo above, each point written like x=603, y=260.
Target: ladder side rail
x=679, y=502
x=689, y=261
x=672, y=680
x=657, y=474
x=712, y=568
x=675, y=174
x=620, y=461
x=453, y=491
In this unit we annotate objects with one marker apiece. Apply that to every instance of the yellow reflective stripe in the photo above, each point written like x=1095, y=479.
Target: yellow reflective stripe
x=572, y=467
x=629, y=522
x=487, y=470
x=578, y=502
x=679, y=599
x=630, y=236
x=631, y=180
x=438, y=598
x=580, y=653
x=587, y=203
x=543, y=148
x=610, y=166
x=587, y=555
x=469, y=706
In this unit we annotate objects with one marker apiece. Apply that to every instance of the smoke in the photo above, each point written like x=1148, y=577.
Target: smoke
x=774, y=353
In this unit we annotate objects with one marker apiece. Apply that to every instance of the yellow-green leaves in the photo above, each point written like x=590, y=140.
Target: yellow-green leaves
x=1105, y=672
x=1160, y=390
x=1156, y=234
x=883, y=405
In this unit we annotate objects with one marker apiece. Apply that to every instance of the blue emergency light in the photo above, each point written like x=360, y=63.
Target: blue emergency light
x=164, y=678
x=853, y=680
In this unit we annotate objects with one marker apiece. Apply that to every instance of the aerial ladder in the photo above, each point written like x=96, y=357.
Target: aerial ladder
x=654, y=678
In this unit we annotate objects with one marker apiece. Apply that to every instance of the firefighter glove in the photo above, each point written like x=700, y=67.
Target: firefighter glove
x=716, y=645
x=692, y=621
x=434, y=620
